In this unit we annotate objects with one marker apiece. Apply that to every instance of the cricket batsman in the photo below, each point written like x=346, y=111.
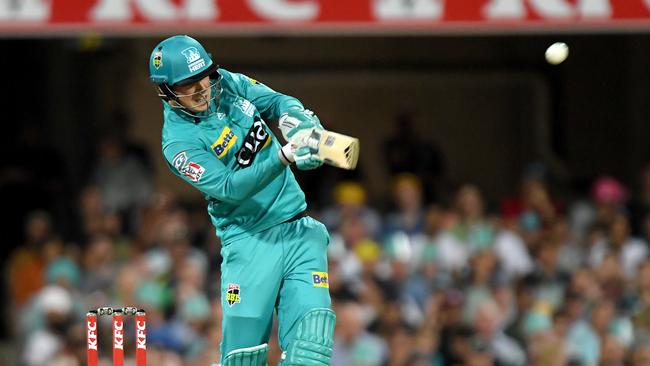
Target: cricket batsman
x=216, y=137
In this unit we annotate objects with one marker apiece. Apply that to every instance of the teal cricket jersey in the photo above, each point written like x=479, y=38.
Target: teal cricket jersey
x=231, y=157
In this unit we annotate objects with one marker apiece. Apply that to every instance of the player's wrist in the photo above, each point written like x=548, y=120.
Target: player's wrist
x=286, y=154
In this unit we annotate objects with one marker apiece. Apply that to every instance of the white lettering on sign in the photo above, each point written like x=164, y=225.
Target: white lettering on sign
x=595, y=8
x=141, y=335
x=408, y=9
x=201, y=9
x=31, y=10
x=285, y=9
x=118, y=337
x=154, y=9
x=558, y=9
x=92, y=335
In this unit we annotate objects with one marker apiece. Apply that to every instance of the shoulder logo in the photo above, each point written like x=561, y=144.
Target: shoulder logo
x=320, y=279
x=246, y=106
x=179, y=161
x=225, y=141
x=157, y=60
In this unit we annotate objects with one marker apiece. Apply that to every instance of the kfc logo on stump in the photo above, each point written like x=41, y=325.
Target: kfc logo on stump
x=91, y=328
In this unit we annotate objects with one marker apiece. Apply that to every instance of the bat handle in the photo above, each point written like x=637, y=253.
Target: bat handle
x=309, y=138
x=313, y=141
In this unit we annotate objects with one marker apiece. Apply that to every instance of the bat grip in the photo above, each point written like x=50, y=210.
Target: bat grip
x=307, y=137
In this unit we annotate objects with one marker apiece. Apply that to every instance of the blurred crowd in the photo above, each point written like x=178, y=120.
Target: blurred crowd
x=532, y=279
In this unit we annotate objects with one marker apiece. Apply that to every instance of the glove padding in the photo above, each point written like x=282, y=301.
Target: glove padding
x=295, y=120
x=306, y=158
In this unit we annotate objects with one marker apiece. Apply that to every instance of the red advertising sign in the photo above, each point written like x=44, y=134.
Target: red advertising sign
x=153, y=16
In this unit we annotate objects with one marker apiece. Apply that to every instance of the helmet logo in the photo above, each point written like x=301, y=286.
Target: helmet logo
x=157, y=60
x=194, y=60
x=191, y=54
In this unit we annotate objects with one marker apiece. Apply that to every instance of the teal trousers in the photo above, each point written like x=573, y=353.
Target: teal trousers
x=282, y=269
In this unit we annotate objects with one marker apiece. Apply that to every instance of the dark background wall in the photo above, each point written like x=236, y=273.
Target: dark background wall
x=491, y=104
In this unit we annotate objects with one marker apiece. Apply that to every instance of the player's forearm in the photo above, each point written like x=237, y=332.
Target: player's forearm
x=272, y=106
x=242, y=184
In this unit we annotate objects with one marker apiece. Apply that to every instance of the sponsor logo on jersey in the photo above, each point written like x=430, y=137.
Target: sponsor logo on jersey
x=256, y=139
x=225, y=141
x=320, y=279
x=233, y=294
x=180, y=161
x=157, y=60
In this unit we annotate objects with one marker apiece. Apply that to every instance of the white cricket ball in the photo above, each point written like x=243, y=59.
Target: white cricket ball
x=557, y=53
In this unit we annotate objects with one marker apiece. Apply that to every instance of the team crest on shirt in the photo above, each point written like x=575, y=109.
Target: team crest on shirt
x=320, y=279
x=193, y=171
x=225, y=141
x=233, y=295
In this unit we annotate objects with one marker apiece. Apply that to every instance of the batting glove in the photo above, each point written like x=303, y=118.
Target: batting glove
x=296, y=120
x=306, y=158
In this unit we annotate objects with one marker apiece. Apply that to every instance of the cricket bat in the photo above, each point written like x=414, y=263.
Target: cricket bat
x=333, y=148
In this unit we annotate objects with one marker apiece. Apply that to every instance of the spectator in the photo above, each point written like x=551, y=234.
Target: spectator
x=408, y=215
x=53, y=305
x=533, y=208
x=641, y=355
x=641, y=305
x=470, y=232
x=488, y=324
x=415, y=155
x=349, y=203
x=123, y=178
x=548, y=279
x=27, y=263
x=629, y=251
x=353, y=345
x=609, y=196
